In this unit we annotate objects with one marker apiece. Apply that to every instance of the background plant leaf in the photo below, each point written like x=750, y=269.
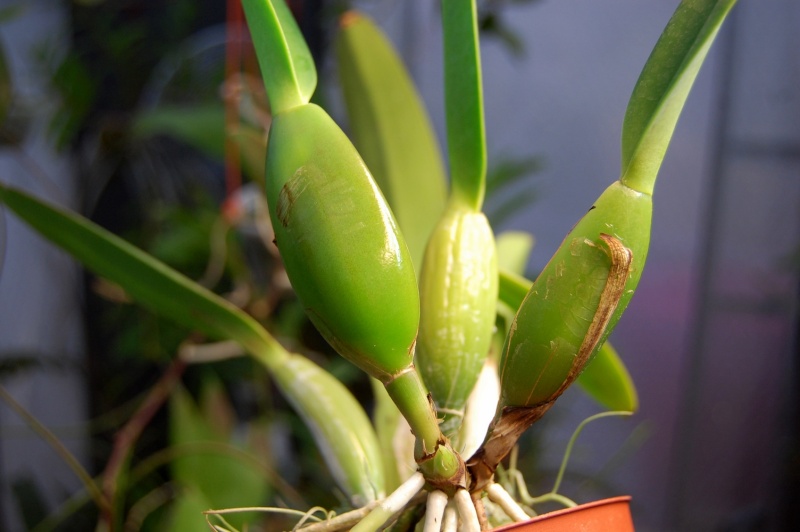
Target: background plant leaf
x=224, y=480
x=391, y=129
x=199, y=126
x=148, y=281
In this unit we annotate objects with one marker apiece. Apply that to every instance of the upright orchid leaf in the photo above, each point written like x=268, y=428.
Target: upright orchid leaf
x=662, y=88
x=282, y=54
x=391, y=129
x=303, y=62
x=466, y=142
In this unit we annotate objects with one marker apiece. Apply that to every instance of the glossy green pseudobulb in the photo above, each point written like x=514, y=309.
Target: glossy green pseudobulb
x=559, y=311
x=569, y=311
x=342, y=250
x=458, y=297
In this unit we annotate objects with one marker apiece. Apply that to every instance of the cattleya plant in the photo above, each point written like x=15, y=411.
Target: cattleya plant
x=419, y=297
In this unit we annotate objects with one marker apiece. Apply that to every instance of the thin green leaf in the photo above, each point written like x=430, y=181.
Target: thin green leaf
x=202, y=127
x=608, y=382
x=466, y=142
x=662, y=88
x=391, y=129
x=272, y=40
x=302, y=60
x=148, y=281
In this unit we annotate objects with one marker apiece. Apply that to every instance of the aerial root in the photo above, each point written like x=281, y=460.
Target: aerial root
x=499, y=495
x=466, y=510
x=434, y=511
x=391, y=504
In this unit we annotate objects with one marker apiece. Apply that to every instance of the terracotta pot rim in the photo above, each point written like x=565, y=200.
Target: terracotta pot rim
x=556, y=513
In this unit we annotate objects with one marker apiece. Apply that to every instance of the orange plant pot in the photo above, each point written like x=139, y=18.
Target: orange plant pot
x=607, y=515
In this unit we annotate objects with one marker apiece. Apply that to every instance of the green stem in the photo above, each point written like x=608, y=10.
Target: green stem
x=552, y=497
x=411, y=397
x=574, y=437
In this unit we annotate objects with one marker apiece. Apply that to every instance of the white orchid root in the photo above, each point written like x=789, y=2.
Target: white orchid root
x=502, y=498
x=391, y=504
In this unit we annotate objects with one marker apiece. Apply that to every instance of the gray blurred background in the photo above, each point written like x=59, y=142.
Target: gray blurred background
x=711, y=335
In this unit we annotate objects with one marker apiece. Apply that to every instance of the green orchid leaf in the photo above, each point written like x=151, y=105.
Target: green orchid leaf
x=662, y=88
x=201, y=127
x=512, y=288
x=466, y=142
x=605, y=379
x=341, y=428
x=286, y=65
x=148, y=281
x=223, y=479
x=302, y=61
x=391, y=129
x=513, y=250
x=186, y=510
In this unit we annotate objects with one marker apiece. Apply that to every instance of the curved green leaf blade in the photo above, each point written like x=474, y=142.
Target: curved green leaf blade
x=466, y=142
x=391, y=129
x=148, y=281
x=340, y=427
x=662, y=88
x=605, y=379
x=303, y=62
x=273, y=35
